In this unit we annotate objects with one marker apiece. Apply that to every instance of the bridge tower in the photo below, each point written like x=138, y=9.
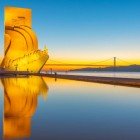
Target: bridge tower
x=114, y=61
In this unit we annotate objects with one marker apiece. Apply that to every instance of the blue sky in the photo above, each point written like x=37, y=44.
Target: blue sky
x=84, y=29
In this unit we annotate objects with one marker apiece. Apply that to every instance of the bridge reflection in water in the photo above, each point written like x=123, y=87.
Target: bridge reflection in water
x=20, y=103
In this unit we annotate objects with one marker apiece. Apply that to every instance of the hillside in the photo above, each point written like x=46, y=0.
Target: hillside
x=131, y=68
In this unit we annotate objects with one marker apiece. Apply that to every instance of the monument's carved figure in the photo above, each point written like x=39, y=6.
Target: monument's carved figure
x=20, y=42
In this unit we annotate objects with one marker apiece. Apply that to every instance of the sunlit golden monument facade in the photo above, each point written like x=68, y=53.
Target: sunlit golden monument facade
x=21, y=51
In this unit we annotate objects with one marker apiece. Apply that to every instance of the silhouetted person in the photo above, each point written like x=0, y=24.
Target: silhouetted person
x=55, y=73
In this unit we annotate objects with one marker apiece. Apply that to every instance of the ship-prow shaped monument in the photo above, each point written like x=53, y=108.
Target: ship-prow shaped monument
x=21, y=51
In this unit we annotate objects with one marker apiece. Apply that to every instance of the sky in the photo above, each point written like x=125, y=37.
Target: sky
x=83, y=30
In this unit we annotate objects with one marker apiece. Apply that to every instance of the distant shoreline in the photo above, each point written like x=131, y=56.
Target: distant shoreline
x=100, y=71
x=130, y=68
x=131, y=82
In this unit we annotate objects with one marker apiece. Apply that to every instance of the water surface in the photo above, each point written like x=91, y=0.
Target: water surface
x=47, y=108
x=135, y=75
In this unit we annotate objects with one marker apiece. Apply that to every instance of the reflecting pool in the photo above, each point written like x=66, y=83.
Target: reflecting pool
x=47, y=108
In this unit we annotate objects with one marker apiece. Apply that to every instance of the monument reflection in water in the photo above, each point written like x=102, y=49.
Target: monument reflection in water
x=20, y=103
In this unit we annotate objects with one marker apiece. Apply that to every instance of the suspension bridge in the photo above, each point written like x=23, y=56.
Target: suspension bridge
x=110, y=62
